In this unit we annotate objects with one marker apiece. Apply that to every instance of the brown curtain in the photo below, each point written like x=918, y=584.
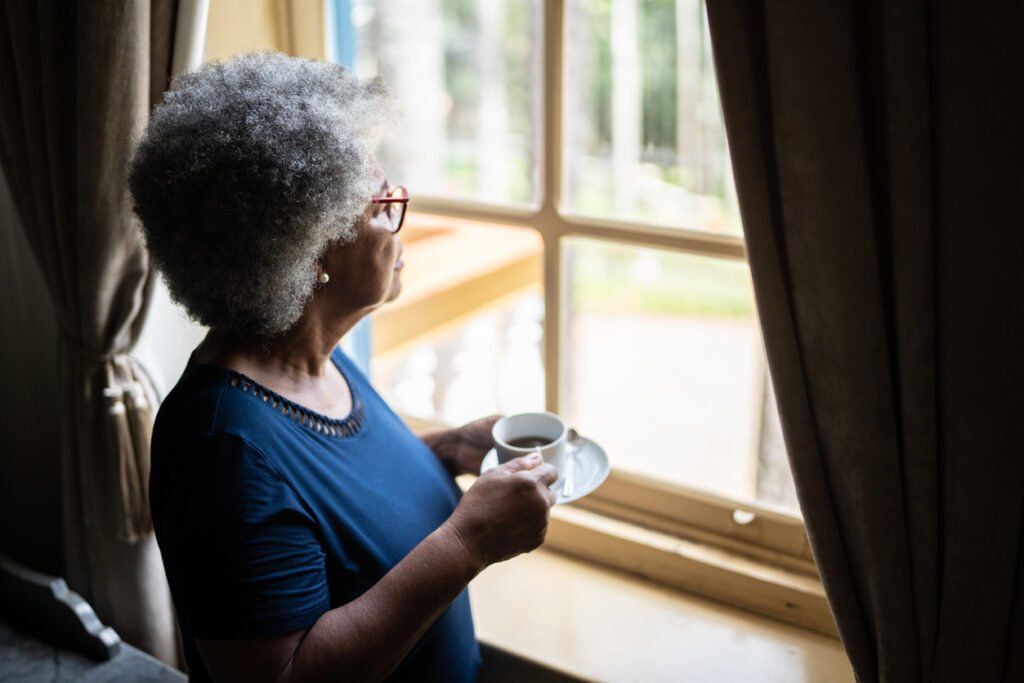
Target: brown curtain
x=879, y=166
x=77, y=82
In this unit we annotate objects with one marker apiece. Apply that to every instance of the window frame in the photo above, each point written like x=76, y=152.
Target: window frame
x=746, y=554
x=554, y=225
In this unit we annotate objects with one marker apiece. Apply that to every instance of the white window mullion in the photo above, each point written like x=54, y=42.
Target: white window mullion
x=550, y=222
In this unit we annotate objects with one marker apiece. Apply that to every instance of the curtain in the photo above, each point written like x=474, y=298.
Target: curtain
x=77, y=82
x=878, y=161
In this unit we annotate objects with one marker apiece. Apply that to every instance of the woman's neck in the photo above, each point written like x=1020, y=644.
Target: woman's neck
x=295, y=364
x=299, y=354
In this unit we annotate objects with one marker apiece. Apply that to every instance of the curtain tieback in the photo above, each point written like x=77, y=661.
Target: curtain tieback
x=119, y=392
x=122, y=397
x=127, y=406
x=130, y=428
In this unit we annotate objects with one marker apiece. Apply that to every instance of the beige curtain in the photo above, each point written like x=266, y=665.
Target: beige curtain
x=878, y=160
x=77, y=82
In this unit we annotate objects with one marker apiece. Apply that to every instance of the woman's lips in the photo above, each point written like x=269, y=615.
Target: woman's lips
x=399, y=264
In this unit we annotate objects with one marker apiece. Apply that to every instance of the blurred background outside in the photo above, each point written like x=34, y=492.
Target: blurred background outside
x=661, y=362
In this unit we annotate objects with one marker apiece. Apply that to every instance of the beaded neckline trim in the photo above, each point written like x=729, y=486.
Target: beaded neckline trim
x=322, y=424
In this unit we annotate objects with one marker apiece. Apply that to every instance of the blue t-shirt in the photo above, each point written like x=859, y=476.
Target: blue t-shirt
x=269, y=515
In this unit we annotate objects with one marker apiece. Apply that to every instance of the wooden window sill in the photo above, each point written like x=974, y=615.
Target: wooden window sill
x=711, y=571
x=592, y=623
x=712, y=566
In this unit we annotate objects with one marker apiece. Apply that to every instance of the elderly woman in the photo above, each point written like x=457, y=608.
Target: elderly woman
x=306, y=533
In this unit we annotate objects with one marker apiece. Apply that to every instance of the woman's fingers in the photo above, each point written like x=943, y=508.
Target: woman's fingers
x=524, y=462
x=546, y=474
x=535, y=464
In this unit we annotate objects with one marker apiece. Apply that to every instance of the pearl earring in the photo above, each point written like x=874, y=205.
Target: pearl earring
x=323, y=278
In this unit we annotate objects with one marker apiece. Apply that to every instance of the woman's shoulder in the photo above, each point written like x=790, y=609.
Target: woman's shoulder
x=196, y=394
x=207, y=430
x=207, y=400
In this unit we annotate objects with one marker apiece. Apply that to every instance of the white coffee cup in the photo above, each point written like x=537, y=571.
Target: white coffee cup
x=525, y=433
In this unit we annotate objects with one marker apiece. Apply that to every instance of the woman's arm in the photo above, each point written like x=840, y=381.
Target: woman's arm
x=503, y=514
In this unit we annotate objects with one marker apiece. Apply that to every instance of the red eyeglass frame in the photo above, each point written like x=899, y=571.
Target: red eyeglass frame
x=392, y=199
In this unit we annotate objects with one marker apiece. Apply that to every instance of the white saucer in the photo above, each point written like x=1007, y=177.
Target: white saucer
x=591, y=469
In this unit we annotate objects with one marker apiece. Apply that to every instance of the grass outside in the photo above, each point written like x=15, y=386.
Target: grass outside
x=614, y=278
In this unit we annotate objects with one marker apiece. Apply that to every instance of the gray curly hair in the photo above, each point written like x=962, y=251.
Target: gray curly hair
x=244, y=175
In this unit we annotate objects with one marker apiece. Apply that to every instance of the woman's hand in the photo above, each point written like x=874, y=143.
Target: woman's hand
x=506, y=511
x=462, y=449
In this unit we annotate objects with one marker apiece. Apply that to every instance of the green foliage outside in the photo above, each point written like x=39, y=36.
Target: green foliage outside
x=657, y=33
x=610, y=278
x=604, y=277
x=460, y=30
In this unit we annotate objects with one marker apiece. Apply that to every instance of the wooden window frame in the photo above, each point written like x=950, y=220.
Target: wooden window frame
x=745, y=554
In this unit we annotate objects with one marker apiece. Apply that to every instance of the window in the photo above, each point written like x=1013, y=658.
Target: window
x=614, y=194
x=579, y=248
x=575, y=244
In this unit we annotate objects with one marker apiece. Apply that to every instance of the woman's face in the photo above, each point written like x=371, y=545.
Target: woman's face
x=367, y=272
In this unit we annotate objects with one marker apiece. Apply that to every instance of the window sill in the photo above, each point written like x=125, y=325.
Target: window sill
x=591, y=623
x=733, y=575
x=732, y=571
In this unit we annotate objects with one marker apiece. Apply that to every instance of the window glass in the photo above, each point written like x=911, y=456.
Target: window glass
x=661, y=362
x=464, y=338
x=664, y=367
x=643, y=134
x=467, y=75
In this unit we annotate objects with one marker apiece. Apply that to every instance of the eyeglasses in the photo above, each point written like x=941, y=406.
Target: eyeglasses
x=397, y=201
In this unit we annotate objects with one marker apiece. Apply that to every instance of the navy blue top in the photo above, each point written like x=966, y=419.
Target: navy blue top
x=269, y=515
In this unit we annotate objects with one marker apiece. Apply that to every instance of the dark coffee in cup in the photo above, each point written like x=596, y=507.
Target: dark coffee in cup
x=529, y=441
x=517, y=435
